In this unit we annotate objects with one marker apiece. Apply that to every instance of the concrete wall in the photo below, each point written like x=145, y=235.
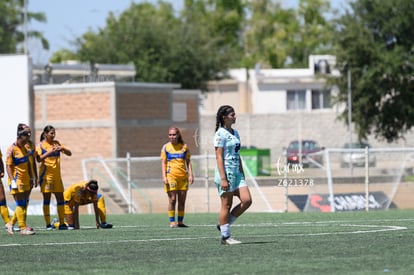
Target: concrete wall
x=15, y=97
x=275, y=131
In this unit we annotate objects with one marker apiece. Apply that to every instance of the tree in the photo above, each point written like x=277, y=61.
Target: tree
x=224, y=22
x=277, y=37
x=63, y=55
x=313, y=34
x=11, y=26
x=141, y=34
x=267, y=34
x=206, y=38
x=163, y=47
x=375, y=39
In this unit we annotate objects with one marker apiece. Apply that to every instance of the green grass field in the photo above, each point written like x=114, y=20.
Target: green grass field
x=273, y=243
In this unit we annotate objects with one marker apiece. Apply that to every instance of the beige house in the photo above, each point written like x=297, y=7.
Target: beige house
x=272, y=91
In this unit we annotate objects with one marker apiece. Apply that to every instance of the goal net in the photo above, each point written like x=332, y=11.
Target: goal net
x=365, y=179
x=135, y=185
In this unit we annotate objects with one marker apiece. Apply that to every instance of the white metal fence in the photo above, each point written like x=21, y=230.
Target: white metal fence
x=362, y=179
x=134, y=185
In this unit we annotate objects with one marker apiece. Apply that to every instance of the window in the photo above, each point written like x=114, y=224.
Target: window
x=296, y=100
x=179, y=112
x=321, y=99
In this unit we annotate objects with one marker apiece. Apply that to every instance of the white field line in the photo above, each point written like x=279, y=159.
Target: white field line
x=373, y=229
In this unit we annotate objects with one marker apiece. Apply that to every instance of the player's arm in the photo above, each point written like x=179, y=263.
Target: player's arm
x=241, y=167
x=34, y=169
x=76, y=216
x=220, y=167
x=95, y=208
x=9, y=170
x=41, y=157
x=164, y=170
x=65, y=150
x=190, y=171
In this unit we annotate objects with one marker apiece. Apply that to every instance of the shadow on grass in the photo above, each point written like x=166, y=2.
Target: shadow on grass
x=259, y=242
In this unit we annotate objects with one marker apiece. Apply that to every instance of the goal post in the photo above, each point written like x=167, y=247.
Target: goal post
x=136, y=182
x=361, y=179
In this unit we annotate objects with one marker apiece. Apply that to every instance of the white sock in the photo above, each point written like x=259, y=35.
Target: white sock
x=225, y=230
x=232, y=219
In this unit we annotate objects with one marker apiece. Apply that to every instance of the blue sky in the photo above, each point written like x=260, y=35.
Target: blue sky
x=69, y=19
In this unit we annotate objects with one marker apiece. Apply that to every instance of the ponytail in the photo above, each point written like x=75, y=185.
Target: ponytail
x=46, y=130
x=223, y=111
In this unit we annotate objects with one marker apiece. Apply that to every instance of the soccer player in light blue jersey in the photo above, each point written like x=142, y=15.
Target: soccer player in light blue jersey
x=229, y=176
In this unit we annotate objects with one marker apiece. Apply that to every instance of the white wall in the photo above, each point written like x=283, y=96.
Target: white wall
x=269, y=102
x=15, y=71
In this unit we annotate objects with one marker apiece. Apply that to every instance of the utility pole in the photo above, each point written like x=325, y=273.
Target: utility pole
x=25, y=26
x=349, y=113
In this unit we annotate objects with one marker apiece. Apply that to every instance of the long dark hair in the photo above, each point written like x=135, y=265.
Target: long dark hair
x=223, y=111
x=46, y=130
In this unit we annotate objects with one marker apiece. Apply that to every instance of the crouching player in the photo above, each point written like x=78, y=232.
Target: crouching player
x=84, y=193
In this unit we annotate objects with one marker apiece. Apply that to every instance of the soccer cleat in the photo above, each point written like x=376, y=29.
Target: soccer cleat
x=63, y=226
x=229, y=241
x=49, y=227
x=24, y=231
x=29, y=228
x=71, y=227
x=218, y=227
x=9, y=228
x=173, y=225
x=106, y=225
x=182, y=225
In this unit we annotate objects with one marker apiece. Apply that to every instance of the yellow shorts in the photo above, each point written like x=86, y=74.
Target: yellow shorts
x=51, y=186
x=176, y=184
x=21, y=187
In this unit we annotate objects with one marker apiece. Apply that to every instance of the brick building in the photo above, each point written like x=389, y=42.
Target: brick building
x=109, y=119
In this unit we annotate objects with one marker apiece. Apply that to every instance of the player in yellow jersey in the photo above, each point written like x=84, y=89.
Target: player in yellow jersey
x=50, y=180
x=31, y=148
x=4, y=210
x=177, y=174
x=83, y=193
x=20, y=173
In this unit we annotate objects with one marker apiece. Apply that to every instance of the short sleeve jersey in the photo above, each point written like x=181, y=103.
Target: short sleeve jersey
x=31, y=149
x=230, y=142
x=18, y=159
x=50, y=167
x=177, y=157
x=77, y=194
